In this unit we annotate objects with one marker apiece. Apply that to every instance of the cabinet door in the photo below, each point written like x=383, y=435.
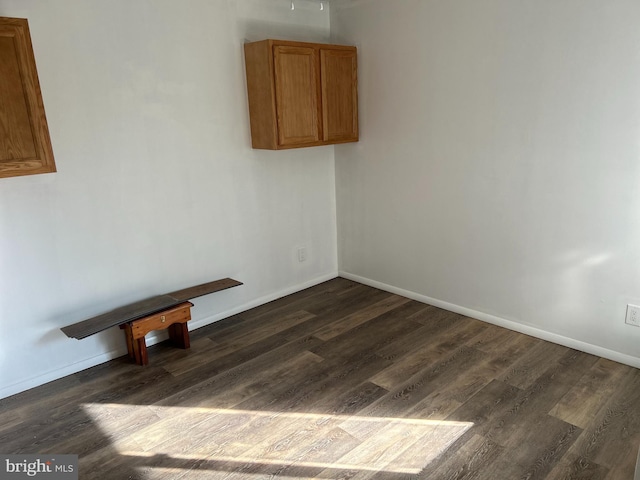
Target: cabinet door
x=25, y=147
x=339, y=95
x=296, y=95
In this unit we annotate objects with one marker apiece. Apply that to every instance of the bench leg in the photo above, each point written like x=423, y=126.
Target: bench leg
x=129, y=336
x=179, y=335
x=140, y=351
x=136, y=347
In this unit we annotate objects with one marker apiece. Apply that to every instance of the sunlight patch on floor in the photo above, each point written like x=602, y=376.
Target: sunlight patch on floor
x=263, y=442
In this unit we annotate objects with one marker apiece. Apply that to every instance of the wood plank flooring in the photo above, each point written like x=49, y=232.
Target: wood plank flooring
x=341, y=381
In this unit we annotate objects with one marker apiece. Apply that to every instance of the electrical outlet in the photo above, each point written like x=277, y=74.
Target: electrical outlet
x=633, y=315
x=302, y=256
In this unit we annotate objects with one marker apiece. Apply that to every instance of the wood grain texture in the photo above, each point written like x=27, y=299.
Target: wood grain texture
x=301, y=94
x=25, y=145
x=339, y=95
x=260, y=76
x=297, y=95
x=17, y=137
x=204, y=289
x=594, y=389
x=143, y=308
x=341, y=381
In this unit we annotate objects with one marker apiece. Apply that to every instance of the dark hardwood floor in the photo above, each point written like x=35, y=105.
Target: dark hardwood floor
x=341, y=381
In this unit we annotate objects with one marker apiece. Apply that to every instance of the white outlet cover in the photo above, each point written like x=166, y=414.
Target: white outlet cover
x=633, y=315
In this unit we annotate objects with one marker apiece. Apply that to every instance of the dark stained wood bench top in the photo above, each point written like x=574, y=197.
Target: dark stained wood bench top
x=141, y=309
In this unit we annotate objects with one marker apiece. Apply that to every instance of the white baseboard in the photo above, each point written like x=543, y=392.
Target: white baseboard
x=156, y=338
x=502, y=322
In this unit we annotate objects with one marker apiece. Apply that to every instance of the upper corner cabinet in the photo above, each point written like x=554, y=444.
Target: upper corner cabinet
x=301, y=94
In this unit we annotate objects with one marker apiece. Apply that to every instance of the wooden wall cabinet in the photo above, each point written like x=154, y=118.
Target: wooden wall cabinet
x=301, y=94
x=25, y=147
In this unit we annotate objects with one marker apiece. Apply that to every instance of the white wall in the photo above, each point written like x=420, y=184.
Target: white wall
x=157, y=186
x=499, y=162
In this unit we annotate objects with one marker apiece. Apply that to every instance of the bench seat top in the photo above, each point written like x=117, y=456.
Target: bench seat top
x=143, y=308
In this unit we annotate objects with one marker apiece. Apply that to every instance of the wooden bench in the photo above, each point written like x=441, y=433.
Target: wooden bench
x=169, y=311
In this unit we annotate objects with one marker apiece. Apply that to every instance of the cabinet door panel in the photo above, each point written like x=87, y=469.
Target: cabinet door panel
x=296, y=95
x=339, y=95
x=15, y=134
x=25, y=147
